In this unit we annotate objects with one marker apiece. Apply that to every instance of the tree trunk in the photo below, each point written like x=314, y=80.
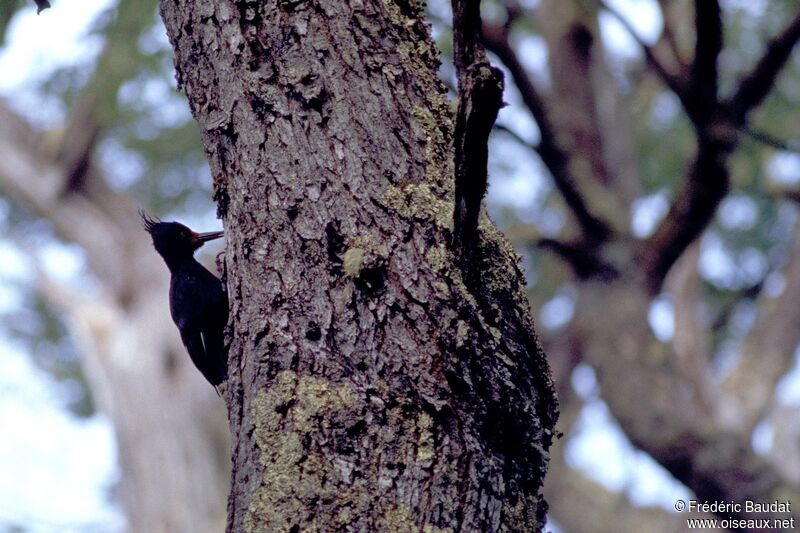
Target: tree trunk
x=372, y=386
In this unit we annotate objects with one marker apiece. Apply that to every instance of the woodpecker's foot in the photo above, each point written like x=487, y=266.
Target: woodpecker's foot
x=222, y=391
x=222, y=270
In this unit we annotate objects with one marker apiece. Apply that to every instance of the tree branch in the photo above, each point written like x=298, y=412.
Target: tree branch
x=41, y=5
x=768, y=352
x=516, y=137
x=554, y=158
x=755, y=86
x=703, y=74
x=91, y=217
x=717, y=126
x=691, y=212
x=785, y=453
x=584, y=261
x=707, y=181
x=668, y=33
x=480, y=97
x=770, y=140
x=581, y=505
x=646, y=393
x=691, y=341
x=76, y=148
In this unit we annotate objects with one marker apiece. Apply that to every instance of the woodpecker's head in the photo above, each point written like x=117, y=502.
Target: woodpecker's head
x=174, y=241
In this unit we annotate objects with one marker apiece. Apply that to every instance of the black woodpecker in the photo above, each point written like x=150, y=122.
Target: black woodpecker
x=197, y=301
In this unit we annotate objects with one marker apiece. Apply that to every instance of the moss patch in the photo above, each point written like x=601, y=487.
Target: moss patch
x=306, y=486
x=417, y=201
x=517, y=516
x=436, y=134
x=425, y=443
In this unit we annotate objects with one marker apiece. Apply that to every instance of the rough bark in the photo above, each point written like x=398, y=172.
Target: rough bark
x=371, y=387
x=169, y=426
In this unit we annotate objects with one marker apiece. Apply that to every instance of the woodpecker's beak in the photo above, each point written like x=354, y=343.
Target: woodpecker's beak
x=198, y=239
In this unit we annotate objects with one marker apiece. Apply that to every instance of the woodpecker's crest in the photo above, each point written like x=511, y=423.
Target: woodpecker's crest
x=173, y=240
x=149, y=222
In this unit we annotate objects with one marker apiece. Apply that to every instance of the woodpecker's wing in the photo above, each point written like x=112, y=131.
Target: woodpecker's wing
x=193, y=340
x=199, y=308
x=214, y=343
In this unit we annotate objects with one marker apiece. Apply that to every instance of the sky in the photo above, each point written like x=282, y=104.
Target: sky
x=58, y=471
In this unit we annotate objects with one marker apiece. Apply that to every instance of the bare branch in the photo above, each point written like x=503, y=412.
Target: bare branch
x=785, y=454
x=41, y=5
x=668, y=33
x=646, y=393
x=691, y=341
x=554, y=158
x=755, y=86
x=790, y=194
x=584, y=261
x=704, y=76
x=581, y=505
x=717, y=126
x=770, y=140
x=691, y=212
x=516, y=136
x=96, y=217
x=768, y=352
x=76, y=148
x=707, y=181
x=467, y=46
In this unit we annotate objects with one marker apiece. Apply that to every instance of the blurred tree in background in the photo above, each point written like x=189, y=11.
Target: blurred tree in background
x=646, y=168
x=125, y=139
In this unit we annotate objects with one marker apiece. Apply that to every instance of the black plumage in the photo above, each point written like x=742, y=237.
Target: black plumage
x=197, y=300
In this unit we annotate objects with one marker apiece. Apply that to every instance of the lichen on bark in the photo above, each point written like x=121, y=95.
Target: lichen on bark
x=418, y=201
x=292, y=478
x=297, y=409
